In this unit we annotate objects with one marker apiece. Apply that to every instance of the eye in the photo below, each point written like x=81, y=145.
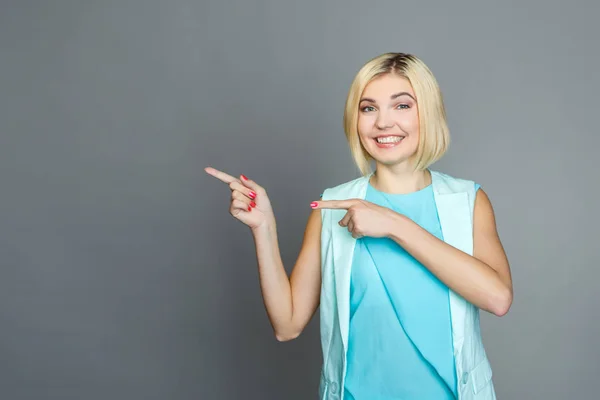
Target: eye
x=367, y=108
x=402, y=106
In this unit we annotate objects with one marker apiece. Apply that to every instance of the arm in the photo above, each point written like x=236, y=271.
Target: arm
x=483, y=279
x=290, y=303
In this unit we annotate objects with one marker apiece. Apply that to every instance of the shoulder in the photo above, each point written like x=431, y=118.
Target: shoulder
x=481, y=206
x=448, y=183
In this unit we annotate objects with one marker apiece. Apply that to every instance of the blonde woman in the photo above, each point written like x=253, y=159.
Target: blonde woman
x=400, y=260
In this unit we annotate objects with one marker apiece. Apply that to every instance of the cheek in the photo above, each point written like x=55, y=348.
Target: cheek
x=409, y=123
x=365, y=127
x=364, y=124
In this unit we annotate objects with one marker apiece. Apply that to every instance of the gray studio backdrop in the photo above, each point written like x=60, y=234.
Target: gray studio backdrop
x=122, y=275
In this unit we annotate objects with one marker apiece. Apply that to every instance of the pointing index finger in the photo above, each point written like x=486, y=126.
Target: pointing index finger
x=222, y=176
x=334, y=204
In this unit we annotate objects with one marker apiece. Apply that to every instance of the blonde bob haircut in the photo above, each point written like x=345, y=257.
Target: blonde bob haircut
x=434, y=136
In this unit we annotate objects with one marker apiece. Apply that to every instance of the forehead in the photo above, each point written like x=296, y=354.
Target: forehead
x=386, y=85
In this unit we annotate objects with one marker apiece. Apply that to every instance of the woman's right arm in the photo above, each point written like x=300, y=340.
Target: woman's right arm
x=290, y=303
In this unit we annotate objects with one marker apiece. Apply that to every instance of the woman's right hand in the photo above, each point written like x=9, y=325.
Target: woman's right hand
x=249, y=201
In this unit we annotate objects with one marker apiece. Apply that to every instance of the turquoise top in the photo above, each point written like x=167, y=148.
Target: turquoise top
x=400, y=333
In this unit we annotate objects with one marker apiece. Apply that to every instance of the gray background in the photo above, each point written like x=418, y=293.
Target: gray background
x=124, y=277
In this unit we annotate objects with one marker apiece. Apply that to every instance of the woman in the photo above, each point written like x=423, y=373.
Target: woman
x=400, y=260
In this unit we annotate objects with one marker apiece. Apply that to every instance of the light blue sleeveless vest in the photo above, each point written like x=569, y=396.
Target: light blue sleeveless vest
x=455, y=200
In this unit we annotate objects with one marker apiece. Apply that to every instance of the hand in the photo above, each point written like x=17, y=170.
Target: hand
x=249, y=201
x=363, y=217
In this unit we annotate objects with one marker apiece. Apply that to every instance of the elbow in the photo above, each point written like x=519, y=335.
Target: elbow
x=502, y=302
x=286, y=336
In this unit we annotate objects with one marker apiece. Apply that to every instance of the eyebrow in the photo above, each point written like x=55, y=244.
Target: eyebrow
x=394, y=96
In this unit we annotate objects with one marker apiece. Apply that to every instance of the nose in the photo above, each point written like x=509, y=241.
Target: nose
x=383, y=120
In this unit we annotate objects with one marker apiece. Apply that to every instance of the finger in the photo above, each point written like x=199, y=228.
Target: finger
x=351, y=227
x=243, y=189
x=238, y=206
x=249, y=183
x=220, y=175
x=344, y=221
x=333, y=204
x=237, y=195
x=355, y=235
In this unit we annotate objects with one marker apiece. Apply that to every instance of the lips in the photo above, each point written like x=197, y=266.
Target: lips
x=389, y=144
x=387, y=136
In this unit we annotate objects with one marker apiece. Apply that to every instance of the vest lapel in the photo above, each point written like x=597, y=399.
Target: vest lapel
x=343, y=252
x=455, y=219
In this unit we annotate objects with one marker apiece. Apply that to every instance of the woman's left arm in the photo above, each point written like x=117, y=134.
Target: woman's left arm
x=483, y=279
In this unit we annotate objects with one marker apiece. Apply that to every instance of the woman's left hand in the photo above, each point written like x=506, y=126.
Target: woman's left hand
x=363, y=217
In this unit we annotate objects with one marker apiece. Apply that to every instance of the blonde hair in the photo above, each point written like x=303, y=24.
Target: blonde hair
x=434, y=136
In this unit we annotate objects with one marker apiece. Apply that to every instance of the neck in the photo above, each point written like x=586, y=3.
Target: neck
x=399, y=180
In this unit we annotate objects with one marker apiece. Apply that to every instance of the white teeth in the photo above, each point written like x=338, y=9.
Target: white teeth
x=389, y=139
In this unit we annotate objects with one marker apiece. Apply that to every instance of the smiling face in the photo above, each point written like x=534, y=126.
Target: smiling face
x=388, y=120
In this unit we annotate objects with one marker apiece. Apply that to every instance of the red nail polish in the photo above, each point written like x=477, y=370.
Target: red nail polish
x=252, y=204
x=244, y=177
x=249, y=208
x=252, y=195
x=314, y=204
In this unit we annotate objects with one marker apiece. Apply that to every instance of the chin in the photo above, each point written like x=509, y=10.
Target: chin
x=392, y=157
x=392, y=162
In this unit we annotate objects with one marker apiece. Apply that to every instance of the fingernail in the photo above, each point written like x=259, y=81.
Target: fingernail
x=244, y=177
x=252, y=195
x=314, y=204
x=252, y=204
x=249, y=208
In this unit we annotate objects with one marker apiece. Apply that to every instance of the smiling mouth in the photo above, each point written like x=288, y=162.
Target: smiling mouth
x=388, y=139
